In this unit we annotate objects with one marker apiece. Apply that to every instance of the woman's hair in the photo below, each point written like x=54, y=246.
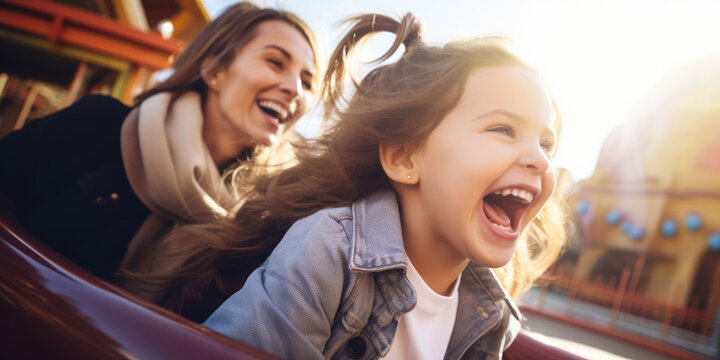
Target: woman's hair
x=220, y=40
x=397, y=103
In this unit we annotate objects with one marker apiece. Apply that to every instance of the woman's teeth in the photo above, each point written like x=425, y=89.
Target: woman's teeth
x=280, y=111
x=520, y=193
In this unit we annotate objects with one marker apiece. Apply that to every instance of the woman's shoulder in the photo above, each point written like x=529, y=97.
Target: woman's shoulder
x=90, y=125
x=94, y=106
x=103, y=102
x=87, y=116
x=100, y=108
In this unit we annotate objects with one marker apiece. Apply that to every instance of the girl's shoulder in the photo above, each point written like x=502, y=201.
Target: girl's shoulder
x=367, y=231
x=325, y=228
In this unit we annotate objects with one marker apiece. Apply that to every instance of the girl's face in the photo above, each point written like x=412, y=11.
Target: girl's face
x=267, y=85
x=484, y=172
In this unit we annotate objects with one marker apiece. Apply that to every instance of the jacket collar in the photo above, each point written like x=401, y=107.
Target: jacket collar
x=491, y=283
x=376, y=243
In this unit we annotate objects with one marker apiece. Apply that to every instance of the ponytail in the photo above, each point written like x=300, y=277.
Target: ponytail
x=408, y=32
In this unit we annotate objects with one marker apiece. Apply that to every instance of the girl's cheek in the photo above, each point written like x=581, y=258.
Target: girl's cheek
x=549, y=183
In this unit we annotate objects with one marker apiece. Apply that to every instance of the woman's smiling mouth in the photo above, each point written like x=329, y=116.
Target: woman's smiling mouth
x=274, y=109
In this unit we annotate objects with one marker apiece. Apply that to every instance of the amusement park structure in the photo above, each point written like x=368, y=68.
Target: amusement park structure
x=645, y=254
x=54, y=53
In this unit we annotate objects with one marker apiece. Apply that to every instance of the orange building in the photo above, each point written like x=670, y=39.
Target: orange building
x=652, y=205
x=53, y=53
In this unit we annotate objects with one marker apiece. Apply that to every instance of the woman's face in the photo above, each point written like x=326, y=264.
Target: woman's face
x=267, y=86
x=484, y=172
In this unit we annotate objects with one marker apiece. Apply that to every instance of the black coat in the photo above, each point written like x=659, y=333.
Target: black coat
x=65, y=176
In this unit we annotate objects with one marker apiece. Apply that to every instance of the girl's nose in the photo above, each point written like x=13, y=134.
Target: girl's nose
x=536, y=160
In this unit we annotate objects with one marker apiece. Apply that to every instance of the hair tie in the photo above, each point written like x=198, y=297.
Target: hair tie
x=412, y=39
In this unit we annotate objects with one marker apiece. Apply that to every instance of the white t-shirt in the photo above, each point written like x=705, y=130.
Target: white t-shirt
x=424, y=332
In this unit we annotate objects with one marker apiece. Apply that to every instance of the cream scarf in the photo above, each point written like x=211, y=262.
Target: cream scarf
x=172, y=172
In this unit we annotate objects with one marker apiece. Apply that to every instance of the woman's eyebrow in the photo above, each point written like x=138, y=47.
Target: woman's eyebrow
x=288, y=56
x=283, y=51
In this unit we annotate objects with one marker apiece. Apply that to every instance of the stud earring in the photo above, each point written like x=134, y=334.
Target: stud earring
x=213, y=82
x=409, y=176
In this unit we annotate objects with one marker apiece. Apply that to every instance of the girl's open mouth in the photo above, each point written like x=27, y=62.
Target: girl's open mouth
x=505, y=209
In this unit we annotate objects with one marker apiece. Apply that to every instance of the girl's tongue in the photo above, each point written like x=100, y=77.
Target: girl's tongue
x=496, y=214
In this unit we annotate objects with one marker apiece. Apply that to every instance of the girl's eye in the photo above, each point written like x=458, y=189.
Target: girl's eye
x=505, y=130
x=306, y=85
x=547, y=146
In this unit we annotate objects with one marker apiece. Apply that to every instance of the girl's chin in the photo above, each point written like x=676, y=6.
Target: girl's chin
x=497, y=264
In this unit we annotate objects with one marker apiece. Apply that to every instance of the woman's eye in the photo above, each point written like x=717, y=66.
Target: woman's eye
x=306, y=85
x=276, y=63
x=505, y=130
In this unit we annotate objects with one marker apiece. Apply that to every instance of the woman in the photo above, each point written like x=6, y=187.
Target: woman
x=88, y=179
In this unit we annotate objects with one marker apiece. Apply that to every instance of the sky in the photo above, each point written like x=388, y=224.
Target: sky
x=601, y=59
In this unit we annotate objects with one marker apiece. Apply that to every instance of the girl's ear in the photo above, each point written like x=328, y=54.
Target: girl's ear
x=208, y=72
x=398, y=162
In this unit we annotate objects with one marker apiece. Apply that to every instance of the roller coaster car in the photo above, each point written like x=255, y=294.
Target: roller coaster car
x=52, y=308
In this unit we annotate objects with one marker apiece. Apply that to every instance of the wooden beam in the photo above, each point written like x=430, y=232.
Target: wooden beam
x=62, y=24
x=64, y=50
x=77, y=84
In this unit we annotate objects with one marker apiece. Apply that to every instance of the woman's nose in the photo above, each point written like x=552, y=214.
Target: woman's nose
x=292, y=86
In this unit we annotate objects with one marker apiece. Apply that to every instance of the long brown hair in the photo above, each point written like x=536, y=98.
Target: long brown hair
x=220, y=40
x=398, y=103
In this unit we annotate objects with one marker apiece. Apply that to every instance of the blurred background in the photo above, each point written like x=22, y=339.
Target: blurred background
x=638, y=85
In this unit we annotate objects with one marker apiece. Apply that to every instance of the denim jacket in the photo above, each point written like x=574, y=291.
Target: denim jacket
x=335, y=286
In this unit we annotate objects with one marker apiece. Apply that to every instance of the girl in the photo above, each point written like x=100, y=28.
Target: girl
x=88, y=179
x=392, y=220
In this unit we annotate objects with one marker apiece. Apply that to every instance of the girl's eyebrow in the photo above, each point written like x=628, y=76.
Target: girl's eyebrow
x=287, y=55
x=509, y=114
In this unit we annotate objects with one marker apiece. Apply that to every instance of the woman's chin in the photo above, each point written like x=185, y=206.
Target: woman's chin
x=267, y=139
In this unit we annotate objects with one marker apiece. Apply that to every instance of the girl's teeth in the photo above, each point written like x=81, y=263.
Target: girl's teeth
x=523, y=194
x=527, y=196
x=502, y=227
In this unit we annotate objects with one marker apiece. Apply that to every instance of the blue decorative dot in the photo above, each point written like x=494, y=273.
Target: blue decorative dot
x=626, y=227
x=714, y=241
x=669, y=228
x=636, y=233
x=583, y=207
x=693, y=222
x=613, y=217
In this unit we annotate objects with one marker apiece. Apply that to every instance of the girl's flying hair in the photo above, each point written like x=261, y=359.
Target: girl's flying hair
x=397, y=103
